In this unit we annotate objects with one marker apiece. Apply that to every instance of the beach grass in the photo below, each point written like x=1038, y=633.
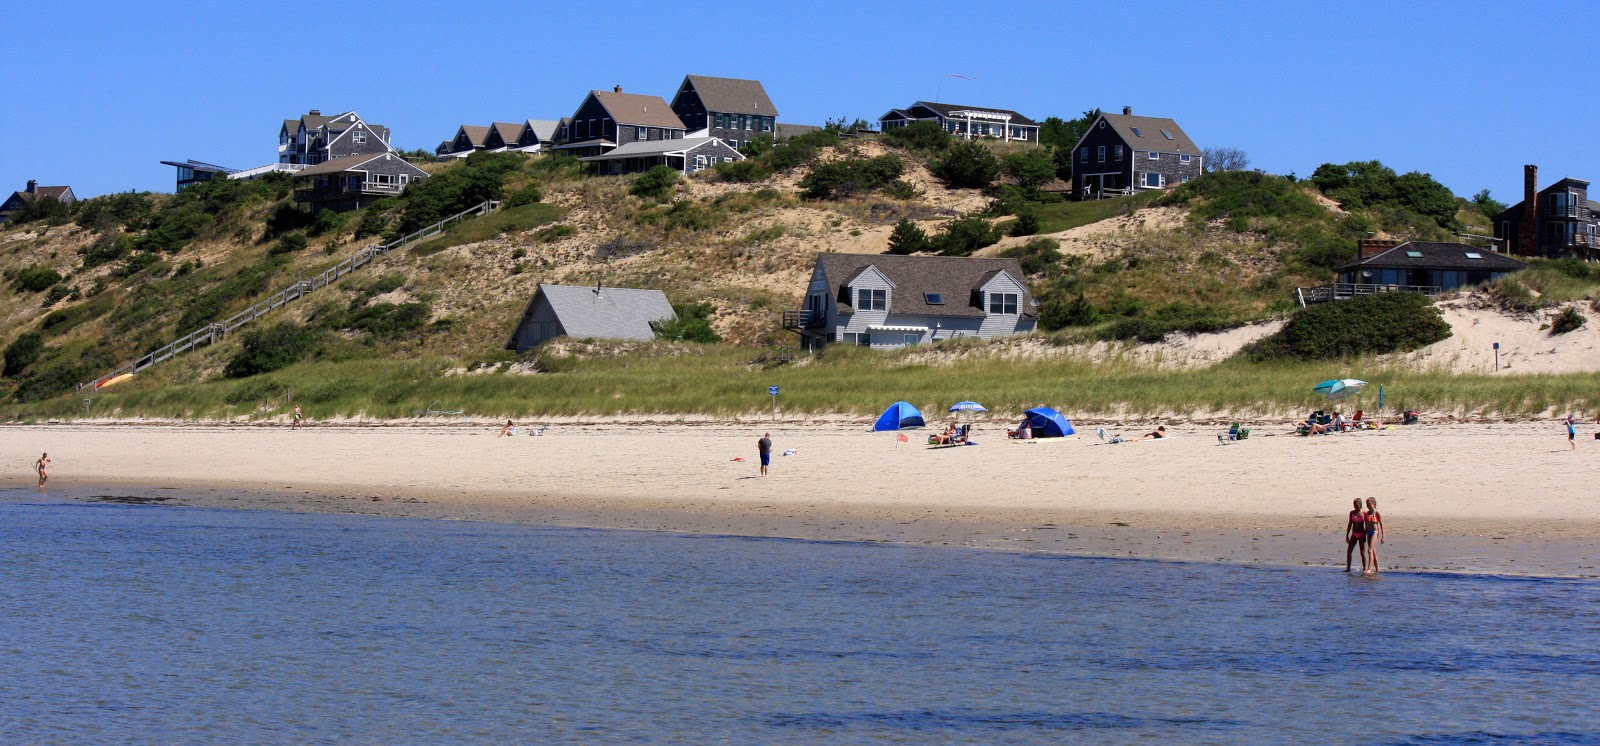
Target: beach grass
x=1060, y=216
x=727, y=382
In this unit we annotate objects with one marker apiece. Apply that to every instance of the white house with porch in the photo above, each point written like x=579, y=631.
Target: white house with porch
x=885, y=301
x=965, y=121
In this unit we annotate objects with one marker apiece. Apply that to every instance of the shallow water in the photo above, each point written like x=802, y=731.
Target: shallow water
x=149, y=624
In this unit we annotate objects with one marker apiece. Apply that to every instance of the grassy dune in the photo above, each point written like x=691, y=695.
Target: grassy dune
x=664, y=379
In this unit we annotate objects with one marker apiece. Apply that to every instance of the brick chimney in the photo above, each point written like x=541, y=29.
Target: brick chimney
x=33, y=186
x=616, y=89
x=1127, y=111
x=1528, y=226
x=315, y=113
x=1371, y=247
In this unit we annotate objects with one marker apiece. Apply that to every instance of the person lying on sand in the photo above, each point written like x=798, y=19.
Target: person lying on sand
x=1159, y=433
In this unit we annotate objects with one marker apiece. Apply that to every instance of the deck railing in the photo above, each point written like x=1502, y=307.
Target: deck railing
x=211, y=333
x=1340, y=290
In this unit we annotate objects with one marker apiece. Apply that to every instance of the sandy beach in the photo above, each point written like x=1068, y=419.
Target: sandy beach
x=1466, y=498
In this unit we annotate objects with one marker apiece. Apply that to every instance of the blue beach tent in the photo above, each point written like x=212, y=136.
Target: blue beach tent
x=899, y=415
x=1048, y=423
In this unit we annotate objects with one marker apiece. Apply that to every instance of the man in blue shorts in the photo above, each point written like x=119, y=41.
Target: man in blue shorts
x=765, y=447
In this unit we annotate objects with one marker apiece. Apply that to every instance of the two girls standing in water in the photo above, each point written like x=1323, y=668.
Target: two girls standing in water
x=1364, y=531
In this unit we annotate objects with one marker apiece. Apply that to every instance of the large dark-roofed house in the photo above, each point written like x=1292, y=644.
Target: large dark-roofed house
x=886, y=301
x=32, y=192
x=1122, y=153
x=1422, y=266
x=965, y=121
x=734, y=110
x=353, y=182
x=607, y=119
x=1557, y=221
x=585, y=312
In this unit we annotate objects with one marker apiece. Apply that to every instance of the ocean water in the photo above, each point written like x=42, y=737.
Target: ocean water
x=147, y=624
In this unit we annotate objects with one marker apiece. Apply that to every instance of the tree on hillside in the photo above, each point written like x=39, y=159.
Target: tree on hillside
x=1224, y=159
x=969, y=164
x=925, y=136
x=1487, y=205
x=1065, y=133
x=1361, y=184
x=907, y=238
x=1032, y=168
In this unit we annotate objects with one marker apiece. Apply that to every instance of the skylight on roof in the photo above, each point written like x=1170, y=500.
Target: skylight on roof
x=1136, y=132
x=1166, y=134
x=934, y=299
x=1414, y=254
x=1474, y=255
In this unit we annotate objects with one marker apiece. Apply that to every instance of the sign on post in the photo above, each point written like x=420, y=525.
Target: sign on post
x=1497, y=356
x=773, y=391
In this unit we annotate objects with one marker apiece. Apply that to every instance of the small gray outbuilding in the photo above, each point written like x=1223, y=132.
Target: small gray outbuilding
x=586, y=312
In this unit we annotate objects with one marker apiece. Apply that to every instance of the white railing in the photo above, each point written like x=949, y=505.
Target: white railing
x=211, y=333
x=251, y=173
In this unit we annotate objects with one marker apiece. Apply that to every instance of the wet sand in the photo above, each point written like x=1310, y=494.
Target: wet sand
x=1463, y=498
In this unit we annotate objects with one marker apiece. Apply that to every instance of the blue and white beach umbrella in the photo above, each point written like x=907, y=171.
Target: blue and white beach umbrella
x=1339, y=388
x=968, y=406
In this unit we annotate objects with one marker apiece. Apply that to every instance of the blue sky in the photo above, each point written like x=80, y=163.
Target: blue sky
x=100, y=93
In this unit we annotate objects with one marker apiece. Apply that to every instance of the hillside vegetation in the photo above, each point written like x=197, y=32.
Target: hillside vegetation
x=121, y=274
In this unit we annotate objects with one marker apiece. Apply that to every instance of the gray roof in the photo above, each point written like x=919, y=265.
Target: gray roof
x=949, y=111
x=1149, y=135
x=353, y=163
x=606, y=313
x=476, y=134
x=636, y=109
x=645, y=148
x=545, y=129
x=956, y=278
x=792, y=130
x=1436, y=255
x=732, y=95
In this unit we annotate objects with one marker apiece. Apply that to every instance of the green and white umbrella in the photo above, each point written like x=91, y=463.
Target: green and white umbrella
x=1339, y=388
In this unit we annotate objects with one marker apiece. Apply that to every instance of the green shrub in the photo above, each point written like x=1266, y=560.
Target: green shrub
x=927, y=137
x=1378, y=324
x=963, y=236
x=849, y=176
x=56, y=294
x=22, y=352
x=692, y=324
x=137, y=262
x=479, y=177
x=967, y=164
x=1513, y=295
x=907, y=238
x=1243, y=194
x=63, y=320
x=328, y=221
x=655, y=184
x=267, y=350
x=387, y=321
x=901, y=189
x=130, y=210
x=375, y=218
x=525, y=196
x=288, y=216
x=1570, y=319
x=1057, y=313
x=1037, y=256
x=1032, y=168
x=241, y=285
x=290, y=244
x=744, y=171
x=1172, y=318
x=1027, y=222
x=553, y=233
x=1359, y=184
x=42, y=208
x=36, y=278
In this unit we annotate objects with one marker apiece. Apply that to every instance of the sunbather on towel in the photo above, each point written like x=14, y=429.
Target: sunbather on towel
x=1159, y=433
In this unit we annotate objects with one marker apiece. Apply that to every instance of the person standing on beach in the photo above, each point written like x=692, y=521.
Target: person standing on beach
x=1355, y=536
x=43, y=467
x=1374, y=531
x=765, y=447
x=1572, y=432
x=299, y=417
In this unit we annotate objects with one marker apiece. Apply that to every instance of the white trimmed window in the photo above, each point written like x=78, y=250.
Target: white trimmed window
x=1154, y=156
x=1183, y=159
x=872, y=299
x=1154, y=180
x=1003, y=303
x=358, y=137
x=642, y=133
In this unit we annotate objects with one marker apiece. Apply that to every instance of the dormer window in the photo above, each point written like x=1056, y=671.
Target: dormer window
x=872, y=299
x=1003, y=303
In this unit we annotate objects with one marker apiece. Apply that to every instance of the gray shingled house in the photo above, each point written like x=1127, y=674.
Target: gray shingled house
x=315, y=138
x=609, y=119
x=733, y=110
x=1122, y=154
x=686, y=156
x=355, y=181
x=1425, y=266
x=885, y=301
x=586, y=312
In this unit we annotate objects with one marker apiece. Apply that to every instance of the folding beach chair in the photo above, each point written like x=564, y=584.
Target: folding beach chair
x=1107, y=439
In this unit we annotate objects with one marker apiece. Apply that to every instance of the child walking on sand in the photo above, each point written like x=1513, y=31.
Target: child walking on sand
x=42, y=466
x=299, y=417
x=1572, y=432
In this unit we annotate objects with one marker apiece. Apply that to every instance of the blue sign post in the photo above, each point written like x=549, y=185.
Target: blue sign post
x=1497, y=357
x=773, y=391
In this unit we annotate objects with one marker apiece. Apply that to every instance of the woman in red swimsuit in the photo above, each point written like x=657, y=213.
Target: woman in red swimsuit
x=1374, y=532
x=1355, y=536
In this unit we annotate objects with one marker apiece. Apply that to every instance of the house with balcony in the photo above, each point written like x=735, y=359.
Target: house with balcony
x=885, y=301
x=315, y=138
x=354, y=181
x=1558, y=221
x=732, y=110
x=686, y=156
x=32, y=192
x=965, y=121
x=609, y=119
x=1121, y=154
x=191, y=172
x=1427, y=267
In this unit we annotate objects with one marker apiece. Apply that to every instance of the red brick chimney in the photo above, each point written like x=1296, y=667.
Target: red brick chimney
x=1528, y=226
x=1371, y=247
x=315, y=113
